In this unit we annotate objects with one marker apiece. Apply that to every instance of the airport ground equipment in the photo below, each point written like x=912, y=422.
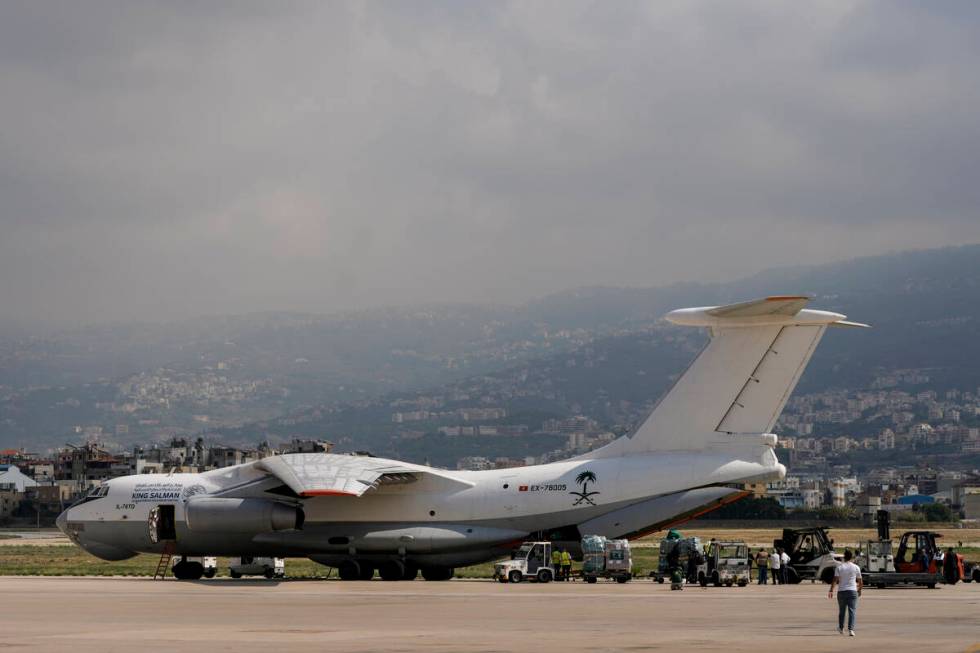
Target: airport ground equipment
x=675, y=552
x=725, y=563
x=918, y=552
x=877, y=565
x=811, y=554
x=257, y=566
x=605, y=558
x=919, y=561
x=971, y=572
x=532, y=561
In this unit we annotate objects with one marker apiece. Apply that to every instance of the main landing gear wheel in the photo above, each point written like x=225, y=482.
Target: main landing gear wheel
x=188, y=571
x=391, y=570
x=367, y=571
x=349, y=570
x=437, y=573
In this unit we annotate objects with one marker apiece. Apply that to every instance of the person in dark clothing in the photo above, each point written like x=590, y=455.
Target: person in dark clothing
x=692, y=566
x=951, y=568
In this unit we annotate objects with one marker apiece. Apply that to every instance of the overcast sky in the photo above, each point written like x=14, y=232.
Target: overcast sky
x=164, y=160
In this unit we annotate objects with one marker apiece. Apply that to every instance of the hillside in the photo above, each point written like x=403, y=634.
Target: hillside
x=593, y=347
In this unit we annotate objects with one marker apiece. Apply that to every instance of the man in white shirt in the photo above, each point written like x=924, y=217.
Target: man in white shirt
x=775, y=563
x=847, y=578
x=784, y=565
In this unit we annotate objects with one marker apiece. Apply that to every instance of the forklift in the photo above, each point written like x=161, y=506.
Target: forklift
x=811, y=554
x=918, y=561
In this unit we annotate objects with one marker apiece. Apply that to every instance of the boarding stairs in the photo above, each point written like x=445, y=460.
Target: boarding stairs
x=164, y=563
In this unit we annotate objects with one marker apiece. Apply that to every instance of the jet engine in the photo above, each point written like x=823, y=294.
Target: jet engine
x=215, y=514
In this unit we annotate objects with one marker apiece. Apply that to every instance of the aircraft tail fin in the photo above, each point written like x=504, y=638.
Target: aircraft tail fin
x=741, y=380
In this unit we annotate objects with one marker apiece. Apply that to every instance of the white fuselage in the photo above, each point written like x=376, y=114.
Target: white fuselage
x=426, y=518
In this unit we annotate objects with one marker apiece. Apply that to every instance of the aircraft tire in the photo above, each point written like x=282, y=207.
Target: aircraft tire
x=437, y=573
x=367, y=571
x=411, y=571
x=178, y=570
x=349, y=570
x=188, y=571
x=391, y=570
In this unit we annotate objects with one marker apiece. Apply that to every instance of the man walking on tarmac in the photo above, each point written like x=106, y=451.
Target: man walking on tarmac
x=776, y=564
x=566, y=565
x=847, y=578
x=556, y=562
x=762, y=562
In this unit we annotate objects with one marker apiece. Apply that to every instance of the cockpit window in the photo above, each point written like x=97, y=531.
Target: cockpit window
x=96, y=492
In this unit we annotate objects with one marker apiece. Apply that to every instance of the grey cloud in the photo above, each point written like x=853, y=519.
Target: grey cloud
x=159, y=160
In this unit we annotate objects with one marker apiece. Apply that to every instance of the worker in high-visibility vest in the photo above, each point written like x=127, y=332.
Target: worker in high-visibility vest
x=566, y=565
x=556, y=563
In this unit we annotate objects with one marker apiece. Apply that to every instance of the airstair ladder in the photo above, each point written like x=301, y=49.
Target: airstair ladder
x=164, y=563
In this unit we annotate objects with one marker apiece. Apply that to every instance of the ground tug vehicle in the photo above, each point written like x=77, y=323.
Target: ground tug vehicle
x=811, y=554
x=531, y=561
x=725, y=563
x=604, y=558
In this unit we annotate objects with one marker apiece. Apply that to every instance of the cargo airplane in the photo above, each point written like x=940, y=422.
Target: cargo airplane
x=709, y=432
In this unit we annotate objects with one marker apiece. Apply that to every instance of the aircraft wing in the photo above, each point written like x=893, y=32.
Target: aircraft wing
x=330, y=474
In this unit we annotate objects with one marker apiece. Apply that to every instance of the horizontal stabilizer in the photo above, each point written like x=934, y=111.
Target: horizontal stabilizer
x=769, y=306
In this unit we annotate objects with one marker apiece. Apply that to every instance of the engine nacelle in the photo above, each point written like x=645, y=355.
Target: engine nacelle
x=215, y=514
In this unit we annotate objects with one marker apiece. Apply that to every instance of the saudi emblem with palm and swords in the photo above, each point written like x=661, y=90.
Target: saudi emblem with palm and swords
x=584, y=479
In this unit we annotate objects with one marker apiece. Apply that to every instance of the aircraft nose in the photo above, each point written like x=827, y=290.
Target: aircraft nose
x=62, y=522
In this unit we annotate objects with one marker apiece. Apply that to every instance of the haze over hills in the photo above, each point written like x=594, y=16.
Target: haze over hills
x=580, y=351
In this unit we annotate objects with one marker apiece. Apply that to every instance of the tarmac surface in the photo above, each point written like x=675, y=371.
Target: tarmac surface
x=129, y=614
